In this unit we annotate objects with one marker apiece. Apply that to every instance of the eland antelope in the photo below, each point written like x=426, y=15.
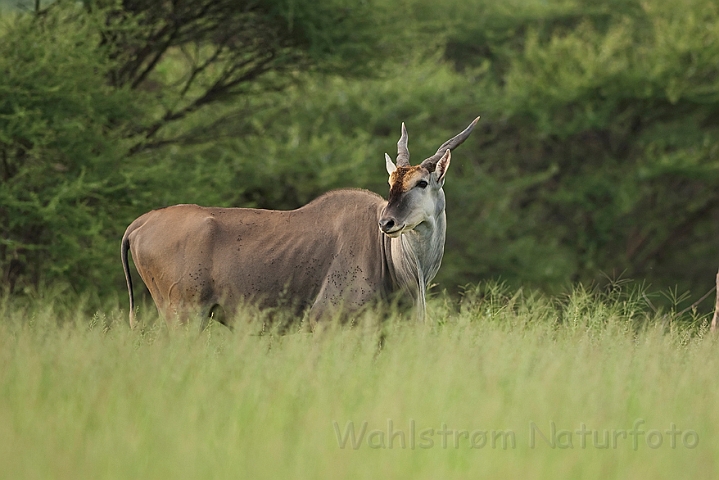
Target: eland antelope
x=340, y=251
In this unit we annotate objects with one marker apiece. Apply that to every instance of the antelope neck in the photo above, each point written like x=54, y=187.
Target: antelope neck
x=415, y=257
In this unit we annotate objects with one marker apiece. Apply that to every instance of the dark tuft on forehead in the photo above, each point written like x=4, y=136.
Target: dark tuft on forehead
x=401, y=179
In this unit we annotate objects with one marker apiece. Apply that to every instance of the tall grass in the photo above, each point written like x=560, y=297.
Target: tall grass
x=85, y=397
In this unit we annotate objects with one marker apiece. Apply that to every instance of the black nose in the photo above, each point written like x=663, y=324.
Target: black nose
x=386, y=224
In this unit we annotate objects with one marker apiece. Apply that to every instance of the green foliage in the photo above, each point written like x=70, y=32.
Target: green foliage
x=57, y=157
x=600, y=119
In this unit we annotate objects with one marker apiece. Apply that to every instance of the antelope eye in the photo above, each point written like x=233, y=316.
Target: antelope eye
x=422, y=184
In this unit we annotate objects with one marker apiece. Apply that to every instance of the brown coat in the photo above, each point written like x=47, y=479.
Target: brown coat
x=327, y=254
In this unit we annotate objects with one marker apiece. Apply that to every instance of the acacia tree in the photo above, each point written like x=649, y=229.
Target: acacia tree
x=192, y=54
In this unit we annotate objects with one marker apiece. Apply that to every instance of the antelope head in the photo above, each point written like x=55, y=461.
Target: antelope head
x=416, y=198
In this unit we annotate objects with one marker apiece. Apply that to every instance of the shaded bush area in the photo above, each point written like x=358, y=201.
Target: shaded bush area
x=604, y=118
x=62, y=136
x=596, y=154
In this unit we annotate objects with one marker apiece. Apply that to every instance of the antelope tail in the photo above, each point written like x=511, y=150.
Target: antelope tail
x=124, y=247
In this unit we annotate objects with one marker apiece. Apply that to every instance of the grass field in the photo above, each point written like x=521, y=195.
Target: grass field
x=500, y=385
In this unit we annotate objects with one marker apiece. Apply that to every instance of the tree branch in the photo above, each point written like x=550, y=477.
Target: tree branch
x=159, y=53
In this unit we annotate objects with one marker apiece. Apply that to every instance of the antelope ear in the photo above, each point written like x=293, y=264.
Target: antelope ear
x=442, y=166
x=391, y=167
